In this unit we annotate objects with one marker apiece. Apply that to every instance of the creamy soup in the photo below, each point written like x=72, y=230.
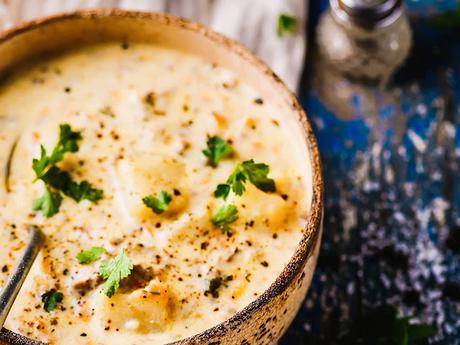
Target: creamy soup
x=187, y=259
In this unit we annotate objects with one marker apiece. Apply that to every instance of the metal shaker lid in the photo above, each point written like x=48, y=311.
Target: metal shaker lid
x=367, y=14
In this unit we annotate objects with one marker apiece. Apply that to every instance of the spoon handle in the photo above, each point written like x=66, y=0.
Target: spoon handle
x=14, y=283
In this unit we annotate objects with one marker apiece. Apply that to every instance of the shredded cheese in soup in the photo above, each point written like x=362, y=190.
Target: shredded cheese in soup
x=141, y=247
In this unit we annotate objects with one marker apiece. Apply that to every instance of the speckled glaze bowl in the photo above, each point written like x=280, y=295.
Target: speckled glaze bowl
x=266, y=318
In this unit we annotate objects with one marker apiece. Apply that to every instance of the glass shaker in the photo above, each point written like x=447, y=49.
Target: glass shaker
x=364, y=40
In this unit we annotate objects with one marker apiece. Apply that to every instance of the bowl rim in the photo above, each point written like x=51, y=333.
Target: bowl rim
x=311, y=231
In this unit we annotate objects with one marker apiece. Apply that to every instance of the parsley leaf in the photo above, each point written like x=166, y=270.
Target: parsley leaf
x=39, y=165
x=68, y=142
x=50, y=299
x=237, y=180
x=222, y=191
x=90, y=255
x=418, y=332
x=83, y=191
x=225, y=215
x=113, y=271
x=56, y=178
x=48, y=204
x=381, y=325
x=404, y=333
x=217, y=149
x=158, y=204
x=59, y=180
x=256, y=173
x=286, y=24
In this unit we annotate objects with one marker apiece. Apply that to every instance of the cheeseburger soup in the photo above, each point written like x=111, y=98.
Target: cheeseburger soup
x=167, y=187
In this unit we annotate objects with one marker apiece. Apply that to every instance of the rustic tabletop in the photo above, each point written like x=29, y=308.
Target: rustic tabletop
x=391, y=246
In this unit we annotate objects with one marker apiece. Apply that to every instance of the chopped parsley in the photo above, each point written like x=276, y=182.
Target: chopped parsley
x=214, y=285
x=50, y=299
x=405, y=332
x=57, y=180
x=224, y=216
x=217, y=150
x=48, y=203
x=90, y=255
x=382, y=325
x=68, y=142
x=286, y=24
x=113, y=271
x=256, y=173
x=158, y=204
x=61, y=180
x=83, y=191
x=223, y=191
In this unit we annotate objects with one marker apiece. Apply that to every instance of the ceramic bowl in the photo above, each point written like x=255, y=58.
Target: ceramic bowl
x=265, y=319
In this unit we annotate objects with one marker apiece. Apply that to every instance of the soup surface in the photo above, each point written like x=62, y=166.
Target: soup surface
x=140, y=249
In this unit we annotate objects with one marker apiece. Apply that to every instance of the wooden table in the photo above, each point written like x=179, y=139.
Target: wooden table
x=392, y=220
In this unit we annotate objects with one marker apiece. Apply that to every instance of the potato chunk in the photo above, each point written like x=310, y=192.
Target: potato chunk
x=265, y=209
x=143, y=174
x=143, y=310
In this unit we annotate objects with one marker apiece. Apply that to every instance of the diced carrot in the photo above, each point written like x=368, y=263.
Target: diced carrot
x=220, y=119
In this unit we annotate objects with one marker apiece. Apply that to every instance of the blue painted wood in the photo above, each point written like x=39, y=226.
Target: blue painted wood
x=392, y=171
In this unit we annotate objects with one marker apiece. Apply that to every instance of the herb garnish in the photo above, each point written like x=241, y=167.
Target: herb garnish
x=215, y=284
x=48, y=203
x=406, y=333
x=61, y=180
x=113, y=271
x=50, y=299
x=158, y=204
x=286, y=24
x=218, y=149
x=56, y=179
x=256, y=173
x=381, y=325
x=68, y=142
x=225, y=215
x=90, y=255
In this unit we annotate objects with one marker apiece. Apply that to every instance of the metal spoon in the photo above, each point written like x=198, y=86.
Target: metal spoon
x=14, y=283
